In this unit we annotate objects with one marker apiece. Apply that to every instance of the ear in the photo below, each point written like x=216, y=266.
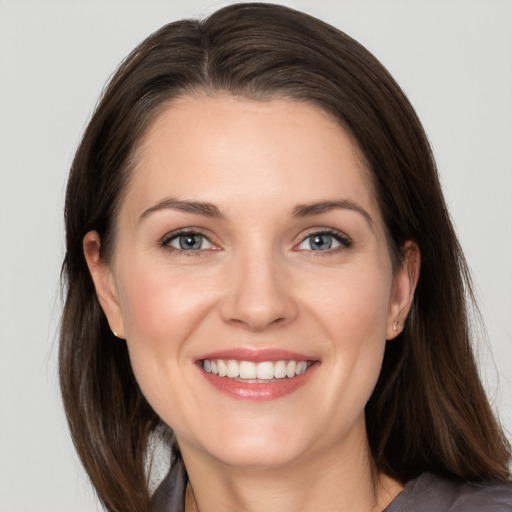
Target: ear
x=104, y=283
x=404, y=285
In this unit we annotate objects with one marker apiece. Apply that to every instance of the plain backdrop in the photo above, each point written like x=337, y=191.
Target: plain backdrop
x=454, y=60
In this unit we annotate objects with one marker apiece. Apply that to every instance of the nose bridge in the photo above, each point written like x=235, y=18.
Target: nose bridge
x=258, y=294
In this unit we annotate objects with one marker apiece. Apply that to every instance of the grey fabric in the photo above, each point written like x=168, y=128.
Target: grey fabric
x=427, y=493
x=170, y=494
x=431, y=493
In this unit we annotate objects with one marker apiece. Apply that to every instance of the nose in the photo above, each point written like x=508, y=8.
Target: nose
x=259, y=294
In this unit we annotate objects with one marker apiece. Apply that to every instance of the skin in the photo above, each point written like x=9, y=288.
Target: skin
x=256, y=283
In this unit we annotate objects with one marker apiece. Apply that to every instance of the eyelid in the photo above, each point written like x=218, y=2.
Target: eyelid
x=166, y=239
x=345, y=241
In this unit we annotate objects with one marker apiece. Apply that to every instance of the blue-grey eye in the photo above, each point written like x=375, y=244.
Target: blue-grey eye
x=190, y=242
x=319, y=242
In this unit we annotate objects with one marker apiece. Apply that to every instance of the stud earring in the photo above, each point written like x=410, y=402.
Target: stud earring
x=395, y=325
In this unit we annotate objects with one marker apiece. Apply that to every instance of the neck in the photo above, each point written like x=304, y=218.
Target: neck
x=341, y=479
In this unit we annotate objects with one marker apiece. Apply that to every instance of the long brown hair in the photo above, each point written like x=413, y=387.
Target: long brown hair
x=429, y=410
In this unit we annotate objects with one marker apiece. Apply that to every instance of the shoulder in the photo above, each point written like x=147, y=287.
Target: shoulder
x=432, y=493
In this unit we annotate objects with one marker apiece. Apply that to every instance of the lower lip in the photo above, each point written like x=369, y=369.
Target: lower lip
x=259, y=392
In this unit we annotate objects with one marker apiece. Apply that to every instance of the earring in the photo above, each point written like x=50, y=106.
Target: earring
x=395, y=325
x=116, y=335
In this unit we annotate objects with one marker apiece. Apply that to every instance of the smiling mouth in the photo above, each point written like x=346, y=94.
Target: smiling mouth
x=255, y=373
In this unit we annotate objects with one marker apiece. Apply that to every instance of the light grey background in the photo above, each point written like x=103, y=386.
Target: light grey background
x=452, y=57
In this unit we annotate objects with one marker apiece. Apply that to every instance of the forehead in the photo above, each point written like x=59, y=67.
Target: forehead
x=217, y=148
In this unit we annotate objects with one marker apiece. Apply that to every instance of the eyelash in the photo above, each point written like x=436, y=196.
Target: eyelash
x=344, y=241
x=167, y=239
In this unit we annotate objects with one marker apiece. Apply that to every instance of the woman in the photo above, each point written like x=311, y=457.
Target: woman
x=261, y=268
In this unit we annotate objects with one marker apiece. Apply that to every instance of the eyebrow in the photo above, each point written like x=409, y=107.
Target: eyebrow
x=310, y=209
x=196, y=207
x=210, y=210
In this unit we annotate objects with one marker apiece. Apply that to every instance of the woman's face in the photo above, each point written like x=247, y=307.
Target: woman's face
x=249, y=243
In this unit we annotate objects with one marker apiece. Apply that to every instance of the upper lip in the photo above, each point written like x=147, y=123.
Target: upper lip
x=257, y=355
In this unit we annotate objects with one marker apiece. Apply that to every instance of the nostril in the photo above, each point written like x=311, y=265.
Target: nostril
x=256, y=322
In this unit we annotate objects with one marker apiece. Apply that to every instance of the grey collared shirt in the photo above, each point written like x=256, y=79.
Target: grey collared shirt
x=427, y=493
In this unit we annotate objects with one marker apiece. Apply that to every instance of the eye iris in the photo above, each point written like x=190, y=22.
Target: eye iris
x=320, y=242
x=190, y=242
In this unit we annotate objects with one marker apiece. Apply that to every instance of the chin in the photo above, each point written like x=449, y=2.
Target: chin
x=265, y=455
x=263, y=444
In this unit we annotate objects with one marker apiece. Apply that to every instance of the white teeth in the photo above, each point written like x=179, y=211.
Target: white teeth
x=265, y=371
x=302, y=366
x=248, y=370
x=280, y=370
x=221, y=366
x=233, y=370
x=290, y=369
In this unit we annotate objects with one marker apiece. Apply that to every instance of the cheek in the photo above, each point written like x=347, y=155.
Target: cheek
x=160, y=306
x=353, y=303
x=163, y=309
x=160, y=311
x=145, y=304
x=369, y=303
x=352, y=311
x=361, y=323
